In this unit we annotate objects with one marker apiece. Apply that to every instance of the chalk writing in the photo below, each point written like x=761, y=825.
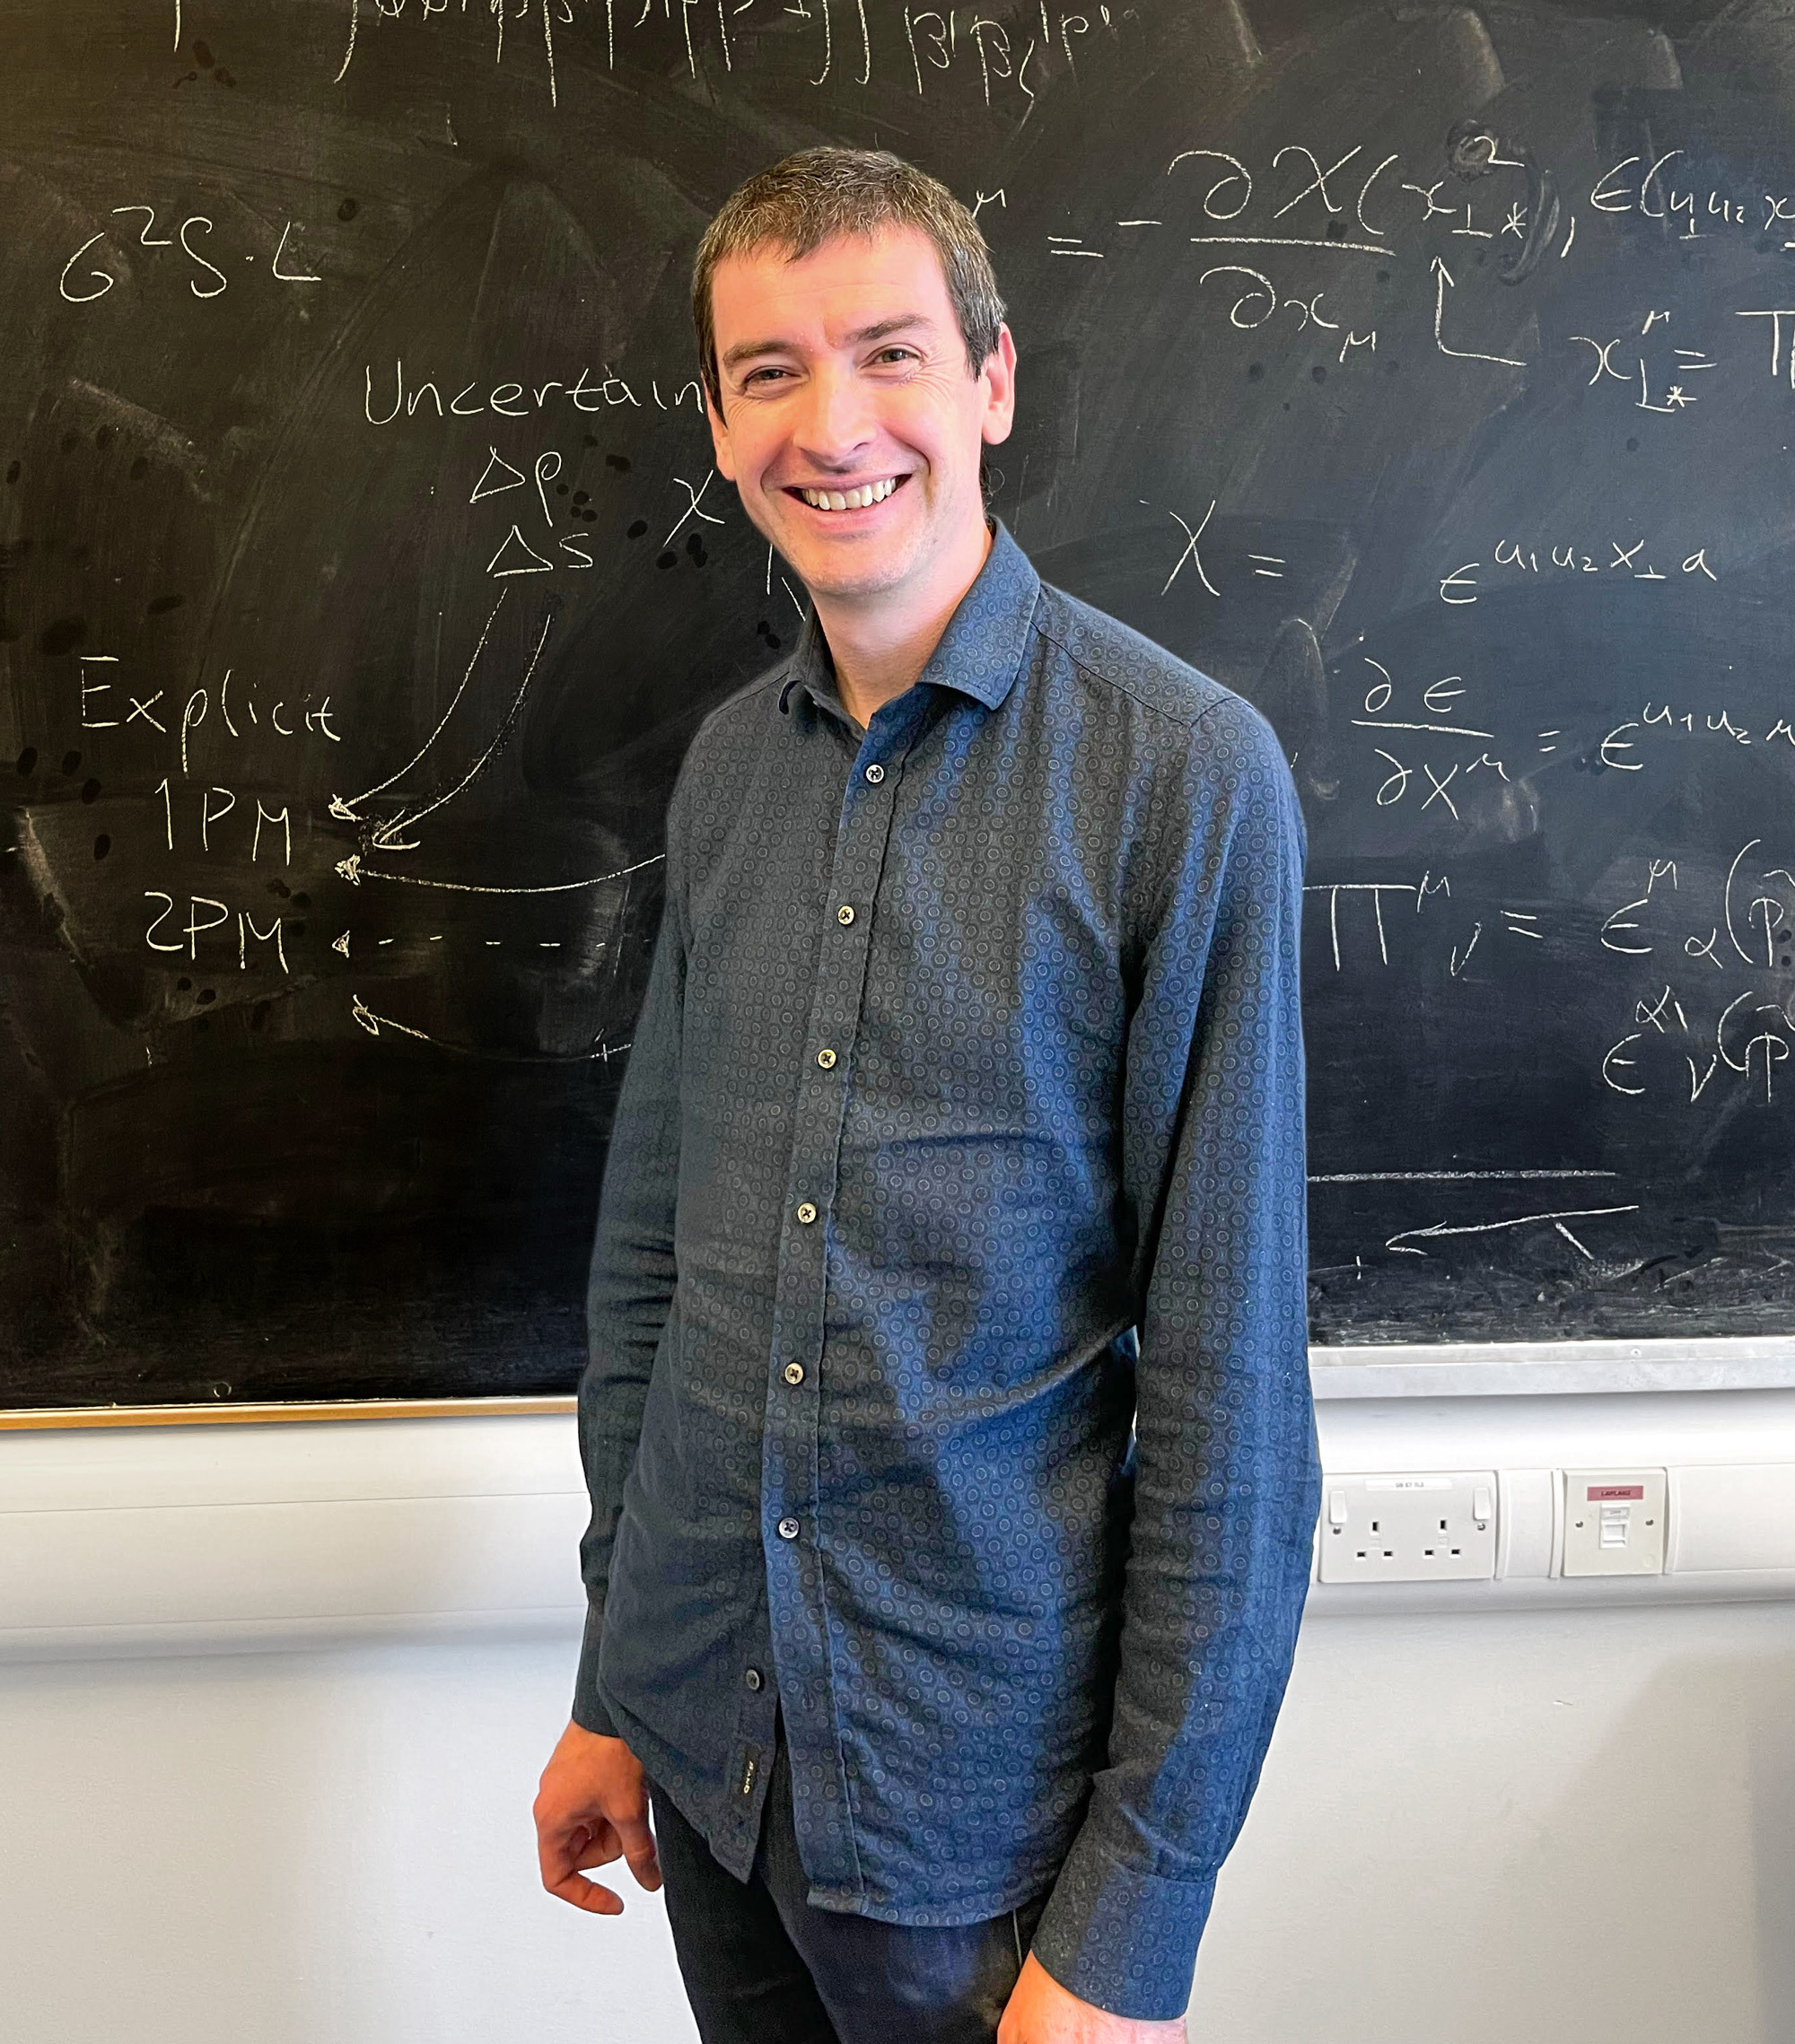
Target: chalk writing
x=439, y=397
x=1592, y=556
x=1008, y=52
x=106, y=256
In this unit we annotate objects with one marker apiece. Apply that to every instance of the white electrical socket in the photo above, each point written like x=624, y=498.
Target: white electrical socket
x=1435, y=1527
x=1613, y=1522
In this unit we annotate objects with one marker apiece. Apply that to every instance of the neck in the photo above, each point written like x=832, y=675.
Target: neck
x=882, y=644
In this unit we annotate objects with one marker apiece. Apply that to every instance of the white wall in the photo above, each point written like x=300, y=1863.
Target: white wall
x=1481, y=1830
x=302, y=1848
x=1555, y=1820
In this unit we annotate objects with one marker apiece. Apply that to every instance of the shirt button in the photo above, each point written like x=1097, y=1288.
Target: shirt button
x=807, y=1213
x=827, y=1059
x=788, y=1529
x=844, y=915
x=793, y=1373
x=752, y=1678
x=875, y=773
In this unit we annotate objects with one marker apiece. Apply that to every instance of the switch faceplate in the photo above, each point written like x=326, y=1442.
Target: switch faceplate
x=1435, y=1527
x=1613, y=1522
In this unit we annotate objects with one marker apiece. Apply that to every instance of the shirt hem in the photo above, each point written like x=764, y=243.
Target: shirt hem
x=1010, y=1895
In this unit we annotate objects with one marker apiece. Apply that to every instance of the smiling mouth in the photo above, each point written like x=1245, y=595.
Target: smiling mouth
x=860, y=498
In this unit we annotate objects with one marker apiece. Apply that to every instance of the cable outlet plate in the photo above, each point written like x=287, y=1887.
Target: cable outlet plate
x=1432, y=1526
x=1613, y=1522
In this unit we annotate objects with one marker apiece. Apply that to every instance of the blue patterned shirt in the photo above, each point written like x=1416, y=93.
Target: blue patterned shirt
x=949, y=1389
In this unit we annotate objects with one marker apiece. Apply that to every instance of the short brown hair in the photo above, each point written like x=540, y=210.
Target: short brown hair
x=821, y=194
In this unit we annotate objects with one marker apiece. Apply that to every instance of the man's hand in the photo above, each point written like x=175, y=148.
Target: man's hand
x=1042, y=2012
x=593, y=1808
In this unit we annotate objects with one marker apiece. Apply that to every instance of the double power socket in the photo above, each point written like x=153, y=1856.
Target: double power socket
x=1442, y=1525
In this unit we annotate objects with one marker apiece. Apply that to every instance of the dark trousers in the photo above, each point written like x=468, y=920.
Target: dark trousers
x=762, y=1966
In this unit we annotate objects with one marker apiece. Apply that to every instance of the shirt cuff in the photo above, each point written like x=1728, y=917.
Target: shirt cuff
x=1124, y=1940
x=589, y=1712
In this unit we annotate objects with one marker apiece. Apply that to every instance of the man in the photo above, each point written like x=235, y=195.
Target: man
x=947, y=1421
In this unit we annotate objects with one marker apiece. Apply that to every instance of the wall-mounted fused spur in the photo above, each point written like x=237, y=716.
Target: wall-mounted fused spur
x=1436, y=1527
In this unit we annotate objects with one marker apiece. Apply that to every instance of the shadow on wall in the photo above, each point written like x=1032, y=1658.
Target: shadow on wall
x=1771, y=1784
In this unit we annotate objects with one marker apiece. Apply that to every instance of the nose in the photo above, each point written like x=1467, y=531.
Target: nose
x=837, y=422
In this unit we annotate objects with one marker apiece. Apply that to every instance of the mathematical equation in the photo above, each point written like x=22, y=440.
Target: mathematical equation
x=1685, y=1039
x=1682, y=1041
x=1296, y=206
x=1434, y=754
x=1604, y=557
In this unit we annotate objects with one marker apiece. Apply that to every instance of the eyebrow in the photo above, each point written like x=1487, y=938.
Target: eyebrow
x=881, y=329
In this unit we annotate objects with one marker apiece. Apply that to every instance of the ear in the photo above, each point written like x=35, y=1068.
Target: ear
x=998, y=378
x=719, y=440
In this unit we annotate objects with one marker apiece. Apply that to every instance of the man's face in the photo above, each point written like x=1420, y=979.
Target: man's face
x=846, y=373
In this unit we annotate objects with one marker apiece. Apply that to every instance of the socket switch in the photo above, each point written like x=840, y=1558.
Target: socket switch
x=1434, y=1527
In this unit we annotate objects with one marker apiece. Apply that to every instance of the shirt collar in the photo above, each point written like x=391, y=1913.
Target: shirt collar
x=980, y=653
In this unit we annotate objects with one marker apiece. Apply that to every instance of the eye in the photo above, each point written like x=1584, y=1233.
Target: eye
x=897, y=352
x=756, y=377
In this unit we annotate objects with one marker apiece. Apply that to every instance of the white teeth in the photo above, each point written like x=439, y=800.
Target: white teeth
x=849, y=499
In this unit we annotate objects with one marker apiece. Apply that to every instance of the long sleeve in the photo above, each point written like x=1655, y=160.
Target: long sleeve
x=1227, y=1482
x=633, y=1275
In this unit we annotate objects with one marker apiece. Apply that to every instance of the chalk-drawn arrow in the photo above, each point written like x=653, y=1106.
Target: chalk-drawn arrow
x=1444, y=283
x=345, y=811
x=353, y=870
x=387, y=838
x=373, y=1024
x=1399, y=1243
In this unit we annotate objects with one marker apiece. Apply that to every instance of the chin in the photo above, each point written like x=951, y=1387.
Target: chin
x=845, y=580
x=850, y=572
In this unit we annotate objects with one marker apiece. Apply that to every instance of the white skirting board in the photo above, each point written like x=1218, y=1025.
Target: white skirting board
x=173, y=1539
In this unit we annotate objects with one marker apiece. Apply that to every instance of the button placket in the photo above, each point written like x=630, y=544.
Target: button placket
x=790, y=1456
x=861, y=838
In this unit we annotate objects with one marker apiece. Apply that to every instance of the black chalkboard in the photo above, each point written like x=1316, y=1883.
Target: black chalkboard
x=1426, y=373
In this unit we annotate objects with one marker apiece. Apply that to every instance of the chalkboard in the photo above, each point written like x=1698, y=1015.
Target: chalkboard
x=1423, y=372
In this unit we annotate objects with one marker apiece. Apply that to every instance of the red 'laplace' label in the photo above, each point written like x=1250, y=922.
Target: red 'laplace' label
x=1602, y=1490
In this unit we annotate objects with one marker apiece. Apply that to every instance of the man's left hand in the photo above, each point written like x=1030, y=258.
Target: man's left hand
x=1042, y=2012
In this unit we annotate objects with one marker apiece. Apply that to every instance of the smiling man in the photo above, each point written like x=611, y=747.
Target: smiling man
x=947, y=1422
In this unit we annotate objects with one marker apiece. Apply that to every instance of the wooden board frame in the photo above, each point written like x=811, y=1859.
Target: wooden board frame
x=50, y=1417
